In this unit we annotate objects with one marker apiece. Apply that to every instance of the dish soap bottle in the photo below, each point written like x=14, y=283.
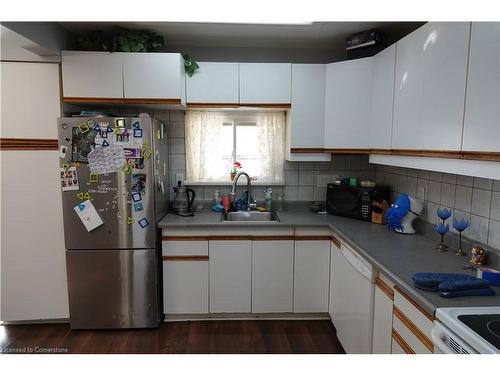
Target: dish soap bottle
x=268, y=198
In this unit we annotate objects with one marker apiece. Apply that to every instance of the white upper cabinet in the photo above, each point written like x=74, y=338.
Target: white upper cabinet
x=431, y=66
x=482, y=110
x=153, y=76
x=214, y=82
x=265, y=83
x=92, y=75
x=348, y=103
x=306, y=126
x=382, y=98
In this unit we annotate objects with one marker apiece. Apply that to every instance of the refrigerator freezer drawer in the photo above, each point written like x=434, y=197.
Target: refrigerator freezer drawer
x=113, y=288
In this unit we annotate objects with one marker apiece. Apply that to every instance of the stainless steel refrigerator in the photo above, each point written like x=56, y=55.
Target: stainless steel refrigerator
x=114, y=191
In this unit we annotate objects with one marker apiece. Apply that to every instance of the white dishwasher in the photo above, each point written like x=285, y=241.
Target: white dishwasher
x=353, y=298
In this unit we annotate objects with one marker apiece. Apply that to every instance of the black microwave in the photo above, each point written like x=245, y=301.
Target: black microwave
x=354, y=202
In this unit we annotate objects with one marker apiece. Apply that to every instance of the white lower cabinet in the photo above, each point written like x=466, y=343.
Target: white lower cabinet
x=382, y=322
x=185, y=287
x=272, y=276
x=311, y=276
x=230, y=276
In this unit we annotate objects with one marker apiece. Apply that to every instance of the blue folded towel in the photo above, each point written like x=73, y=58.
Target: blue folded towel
x=467, y=293
x=466, y=284
x=452, y=284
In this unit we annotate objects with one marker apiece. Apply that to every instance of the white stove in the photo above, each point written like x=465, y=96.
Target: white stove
x=467, y=330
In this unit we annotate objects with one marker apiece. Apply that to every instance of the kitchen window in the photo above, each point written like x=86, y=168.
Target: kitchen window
x=215, y=140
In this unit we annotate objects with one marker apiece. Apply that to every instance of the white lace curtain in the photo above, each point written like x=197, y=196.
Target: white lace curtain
x=211, y=145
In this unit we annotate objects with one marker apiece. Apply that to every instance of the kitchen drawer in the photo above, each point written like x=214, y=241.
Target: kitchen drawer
x=184, y=248
x=398, y=346
x=422, y=320
x=414, y=342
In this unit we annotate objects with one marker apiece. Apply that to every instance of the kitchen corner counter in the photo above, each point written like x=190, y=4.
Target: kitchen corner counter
x=397, y=256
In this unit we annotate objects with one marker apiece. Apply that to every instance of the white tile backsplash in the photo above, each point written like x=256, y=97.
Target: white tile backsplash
x=306, y=193
x=463, y=198
x=483, y=183
x=495, y=206
x=306, y=178
x=292, y=178
x=434, y=193
x=448, y=194
x=481, y=202
x=494, y=234
x=475, y=199
x=479, y=228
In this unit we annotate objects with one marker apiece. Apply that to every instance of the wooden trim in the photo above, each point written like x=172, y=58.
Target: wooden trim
x=388, y=291
x=152, y=101
x=266, y=105
x=414, y=329
x=406, y=348
x=122, y=100
x=68, y=99
x=185, y=258
x=246, y=237
x=336, y=241
x=184, y=238
x=347, y=151
x=312, y=238
x=211, y=105
x=427, y=315
x=28, y=144
x=239, y=105
x=462, y=155
x=273, y=238
x=305, y=150
x=30, y=62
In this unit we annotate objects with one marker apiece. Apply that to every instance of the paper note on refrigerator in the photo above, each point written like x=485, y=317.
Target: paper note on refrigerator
x=88, y=215
x=106, y=159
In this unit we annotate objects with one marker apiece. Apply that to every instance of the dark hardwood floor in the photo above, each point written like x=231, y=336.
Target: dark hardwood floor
x=212, y=337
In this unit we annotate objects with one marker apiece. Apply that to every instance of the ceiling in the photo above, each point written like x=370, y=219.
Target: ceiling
x=317, y=35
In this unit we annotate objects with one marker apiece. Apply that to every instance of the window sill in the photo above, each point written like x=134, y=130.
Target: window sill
x=241, y=182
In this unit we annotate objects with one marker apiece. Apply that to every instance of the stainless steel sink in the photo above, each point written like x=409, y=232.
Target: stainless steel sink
x=254, y=216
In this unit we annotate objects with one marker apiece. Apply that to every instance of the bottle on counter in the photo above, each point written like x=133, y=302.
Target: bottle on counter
x=268, y=198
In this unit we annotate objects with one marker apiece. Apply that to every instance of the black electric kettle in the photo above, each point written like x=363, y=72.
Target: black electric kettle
x=182, y=204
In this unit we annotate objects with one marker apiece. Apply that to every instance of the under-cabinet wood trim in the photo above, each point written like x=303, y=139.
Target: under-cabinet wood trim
x=77, y=100
x=388, y=291
x=336, y=241
x=266, y=105
x=186, y=258
x=211, y=105
x=307, y=150
x=416, y=305
x=191, y=105
x=246, y=237
x=71, y=99
x=153, y=101
x=347, y=151
x=406, y=348
x=312, y=238
x=461, y=155
x=28, y=144
x=414, y=329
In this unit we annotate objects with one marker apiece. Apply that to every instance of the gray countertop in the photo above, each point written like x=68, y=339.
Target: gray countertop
x=397, y=256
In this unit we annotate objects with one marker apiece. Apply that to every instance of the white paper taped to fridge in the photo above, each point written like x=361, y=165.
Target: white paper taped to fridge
x=106, y=159
x=88, y=215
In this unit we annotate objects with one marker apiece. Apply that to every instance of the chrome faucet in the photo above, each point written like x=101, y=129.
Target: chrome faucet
x=250, y=205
